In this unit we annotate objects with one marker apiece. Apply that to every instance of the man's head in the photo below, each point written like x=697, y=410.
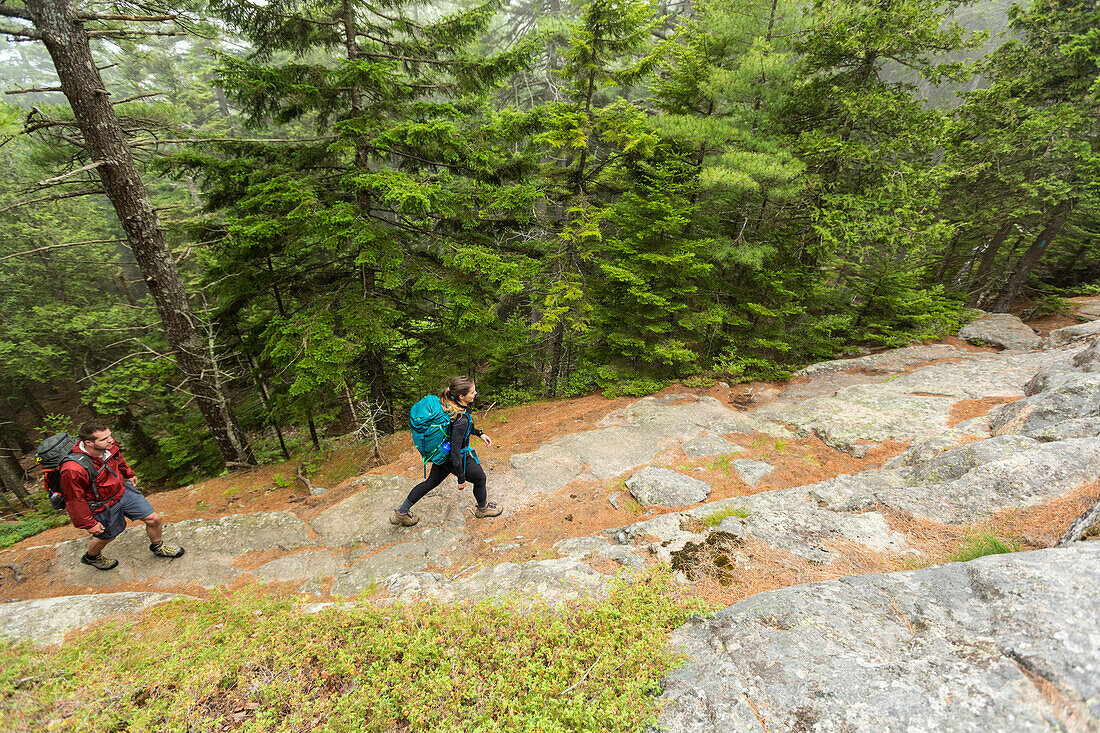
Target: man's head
x=95, y=435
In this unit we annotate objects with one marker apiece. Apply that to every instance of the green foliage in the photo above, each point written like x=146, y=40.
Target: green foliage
x=591, y=666
x=715, y=518
x=979, y=544
x=1049, y=305
x=42, y=517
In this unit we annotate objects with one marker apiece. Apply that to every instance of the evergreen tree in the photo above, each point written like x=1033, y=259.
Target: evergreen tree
x=364, y=259
x=1028, y=139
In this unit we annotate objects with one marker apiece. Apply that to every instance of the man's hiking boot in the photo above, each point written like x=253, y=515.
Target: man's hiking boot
x=404, y=520
x=162, y=550
x=99, y=562
x=489, y=510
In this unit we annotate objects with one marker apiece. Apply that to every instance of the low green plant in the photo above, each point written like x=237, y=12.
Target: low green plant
x=1049, y=305
x=721, y=463
x=980, y=544
x=586, y=666
x=713, y=520
x=39, y=518
x=281, y=481
x=700, y=381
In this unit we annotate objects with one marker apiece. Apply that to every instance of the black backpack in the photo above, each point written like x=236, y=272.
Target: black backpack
x=51, y=454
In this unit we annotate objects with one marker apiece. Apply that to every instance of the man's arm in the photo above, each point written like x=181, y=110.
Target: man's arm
x=124, y=468
x=74, y=485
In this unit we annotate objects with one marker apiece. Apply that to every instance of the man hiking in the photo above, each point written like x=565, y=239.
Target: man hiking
x=102, y=510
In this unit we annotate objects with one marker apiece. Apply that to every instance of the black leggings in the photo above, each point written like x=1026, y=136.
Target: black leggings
x=474, y=474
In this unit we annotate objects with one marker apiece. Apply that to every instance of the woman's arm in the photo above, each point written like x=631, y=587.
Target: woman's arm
x=458, y=442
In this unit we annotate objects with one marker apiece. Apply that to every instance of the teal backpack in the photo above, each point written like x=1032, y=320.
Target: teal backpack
x=431, y=428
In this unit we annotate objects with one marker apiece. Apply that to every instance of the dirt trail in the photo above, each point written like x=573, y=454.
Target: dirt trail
x=581, y=509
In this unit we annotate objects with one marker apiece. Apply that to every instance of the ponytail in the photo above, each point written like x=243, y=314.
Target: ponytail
x=458, y=387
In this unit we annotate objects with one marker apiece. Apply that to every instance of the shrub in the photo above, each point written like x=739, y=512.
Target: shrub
x=586, y=666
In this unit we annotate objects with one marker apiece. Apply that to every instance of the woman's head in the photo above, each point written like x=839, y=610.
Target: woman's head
x=460, y=393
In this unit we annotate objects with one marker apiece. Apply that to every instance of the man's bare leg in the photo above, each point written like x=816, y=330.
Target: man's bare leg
x=154, y=527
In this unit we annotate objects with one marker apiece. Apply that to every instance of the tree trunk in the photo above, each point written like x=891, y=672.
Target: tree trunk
x=106, y=143
x=11, y=477
x=313, y=433
x=990, y=254
x=32, y=404
x=7, y=505
x=555, y=361
x=1031, y=257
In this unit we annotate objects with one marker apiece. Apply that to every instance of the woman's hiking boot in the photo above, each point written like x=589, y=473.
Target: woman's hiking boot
x=489, y=510
x=99, y=562
x=162, y=550
x=404, y=520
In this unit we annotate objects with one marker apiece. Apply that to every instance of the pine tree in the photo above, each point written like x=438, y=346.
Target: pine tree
x=1029, y=139
x=366, y=258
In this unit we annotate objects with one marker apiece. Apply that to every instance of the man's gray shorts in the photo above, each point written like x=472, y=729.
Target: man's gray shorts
x=132, y=505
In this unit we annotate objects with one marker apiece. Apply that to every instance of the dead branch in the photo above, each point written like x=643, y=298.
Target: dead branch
x=181, y=141
x=61, y=246
x=34, y=90
x=300, y=471
x=131, y=33
x=10, y=12
x=20, y=33
x=131, y=18
x=1080, y=525
x=54, y=197
x=70, y=174
x=138, y=96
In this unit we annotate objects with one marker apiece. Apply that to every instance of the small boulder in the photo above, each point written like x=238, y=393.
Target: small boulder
x=1000, y=329
x=654, y=486
x=710, y=445
x=1089, y=312
x=1069, y=334
x=752, y=472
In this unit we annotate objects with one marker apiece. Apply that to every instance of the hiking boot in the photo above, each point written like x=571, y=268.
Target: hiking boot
x=404, y=520
x=489, y=510
x=162, y=550
x=99, y=562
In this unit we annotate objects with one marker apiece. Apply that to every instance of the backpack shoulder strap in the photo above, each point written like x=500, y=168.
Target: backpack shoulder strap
x=85, y=461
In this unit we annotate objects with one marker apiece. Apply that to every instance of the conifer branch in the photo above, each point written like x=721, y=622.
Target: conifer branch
x=60, y=246
x=70, y=174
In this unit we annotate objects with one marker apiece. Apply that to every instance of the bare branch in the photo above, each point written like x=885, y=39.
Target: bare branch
x=18, y=33
x=60, y=246
x=70, y=174
x=180, y=141
x=133, y=18
x=10, y=12
x=120, y=33
x=34, y=91
x=54, y=197
x=138, y=96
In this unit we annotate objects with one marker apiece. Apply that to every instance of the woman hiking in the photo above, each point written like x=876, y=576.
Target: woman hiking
x=456, y=401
